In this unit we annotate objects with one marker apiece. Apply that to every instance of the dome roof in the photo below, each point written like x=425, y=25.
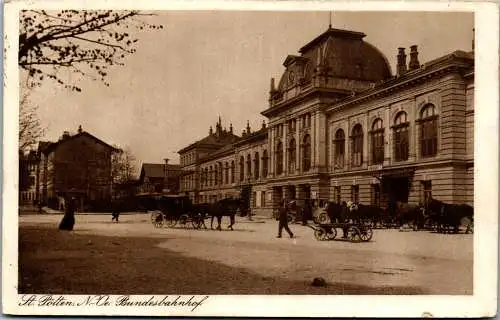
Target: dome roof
x=340, y=54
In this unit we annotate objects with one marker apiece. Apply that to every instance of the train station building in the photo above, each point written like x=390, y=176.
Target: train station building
x=342, y=126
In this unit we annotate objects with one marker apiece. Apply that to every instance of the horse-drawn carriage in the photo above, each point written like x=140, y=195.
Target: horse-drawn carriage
x=352, y=231
x=170, y=210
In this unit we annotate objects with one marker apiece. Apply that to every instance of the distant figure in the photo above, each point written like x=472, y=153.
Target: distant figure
x=68, y=220
x=115, y=215
x=283, y=220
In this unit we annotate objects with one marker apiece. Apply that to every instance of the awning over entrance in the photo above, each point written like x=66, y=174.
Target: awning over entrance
x=398, y=173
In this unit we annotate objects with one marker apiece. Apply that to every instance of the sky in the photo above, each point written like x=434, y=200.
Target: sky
x=205, y=64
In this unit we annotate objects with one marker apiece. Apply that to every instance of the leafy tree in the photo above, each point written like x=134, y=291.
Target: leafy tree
x=85, y=42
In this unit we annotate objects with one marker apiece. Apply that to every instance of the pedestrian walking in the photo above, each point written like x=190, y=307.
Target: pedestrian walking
x=68, y=220
x=283, y=221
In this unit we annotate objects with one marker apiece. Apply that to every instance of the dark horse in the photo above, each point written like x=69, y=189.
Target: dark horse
x=410, y=214
x=225, y=207
x=448, y=217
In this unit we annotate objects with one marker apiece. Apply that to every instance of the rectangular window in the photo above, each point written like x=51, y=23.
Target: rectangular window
x=426, y=191
x=355, y=194
x=254, y=199
x=375, y=198
x=263, y=199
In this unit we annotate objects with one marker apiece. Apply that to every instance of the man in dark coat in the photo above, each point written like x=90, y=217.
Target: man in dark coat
x=115, y=215
x=283, y=220
x=68, y=220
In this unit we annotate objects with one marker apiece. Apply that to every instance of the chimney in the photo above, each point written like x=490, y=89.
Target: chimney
x=65, y=135
x=273, y=87
x=231, y=127
x=263, y=124
x=414, y=63
x=211, y=131
x=243, y=133
x=80, y=129
x=401, y=67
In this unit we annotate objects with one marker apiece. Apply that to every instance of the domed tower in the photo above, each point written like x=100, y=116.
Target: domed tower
x=338, y=61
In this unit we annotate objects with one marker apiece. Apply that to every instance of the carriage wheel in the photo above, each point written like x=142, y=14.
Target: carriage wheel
x=366, y=234
x=323, y=218
x=183, y=219
x=353, y=234
x=331, y=235
x=157, y=220
x=319, y=234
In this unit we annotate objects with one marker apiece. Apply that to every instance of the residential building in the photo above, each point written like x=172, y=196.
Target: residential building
x=77, y=165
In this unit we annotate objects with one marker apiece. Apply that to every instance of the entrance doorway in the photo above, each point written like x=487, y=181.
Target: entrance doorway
x=398, y=189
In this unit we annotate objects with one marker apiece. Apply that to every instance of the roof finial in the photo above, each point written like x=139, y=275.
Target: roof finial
x=330, y=21
x=80, y=129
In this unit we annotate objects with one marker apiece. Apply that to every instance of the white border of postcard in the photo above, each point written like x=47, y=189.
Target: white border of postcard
x=482, y=303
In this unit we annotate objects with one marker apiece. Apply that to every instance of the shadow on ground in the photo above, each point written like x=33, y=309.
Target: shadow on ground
x=57, y=262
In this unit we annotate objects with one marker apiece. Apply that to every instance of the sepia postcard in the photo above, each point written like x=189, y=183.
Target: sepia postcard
x=239, y=158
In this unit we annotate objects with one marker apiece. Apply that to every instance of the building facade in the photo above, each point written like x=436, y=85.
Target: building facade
x=342, y=127
x=77, y=165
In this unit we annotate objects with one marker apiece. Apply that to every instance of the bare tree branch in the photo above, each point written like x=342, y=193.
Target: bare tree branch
x=67, y=38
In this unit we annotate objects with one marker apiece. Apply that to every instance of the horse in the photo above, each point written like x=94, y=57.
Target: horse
x=409, y=214
x=449, y=216
x=225, y=207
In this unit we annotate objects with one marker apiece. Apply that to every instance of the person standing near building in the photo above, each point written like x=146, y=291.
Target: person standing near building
x=68, y=220
x=283, y=220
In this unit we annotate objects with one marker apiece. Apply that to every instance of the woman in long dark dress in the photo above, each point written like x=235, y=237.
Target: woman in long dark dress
x=68, y=220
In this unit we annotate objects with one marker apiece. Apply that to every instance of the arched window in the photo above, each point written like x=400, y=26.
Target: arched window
x=249, y=166
x=357, y=146
x=292, y=156
x=306, y=153
x=339, y=144
x=401, y=142
x=232, y=171
x=428, y=131
x=265, y=164
x=377, y=141
x=226, y=173
x=256, y=166
x=242, y=168
x=279, y=158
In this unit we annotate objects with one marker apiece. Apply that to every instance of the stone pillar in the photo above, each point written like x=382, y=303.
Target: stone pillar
x=412, y=129
x=297, y=146
x=321, y=141
x=271, y=153
x=388, y=135
x=285, y=148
